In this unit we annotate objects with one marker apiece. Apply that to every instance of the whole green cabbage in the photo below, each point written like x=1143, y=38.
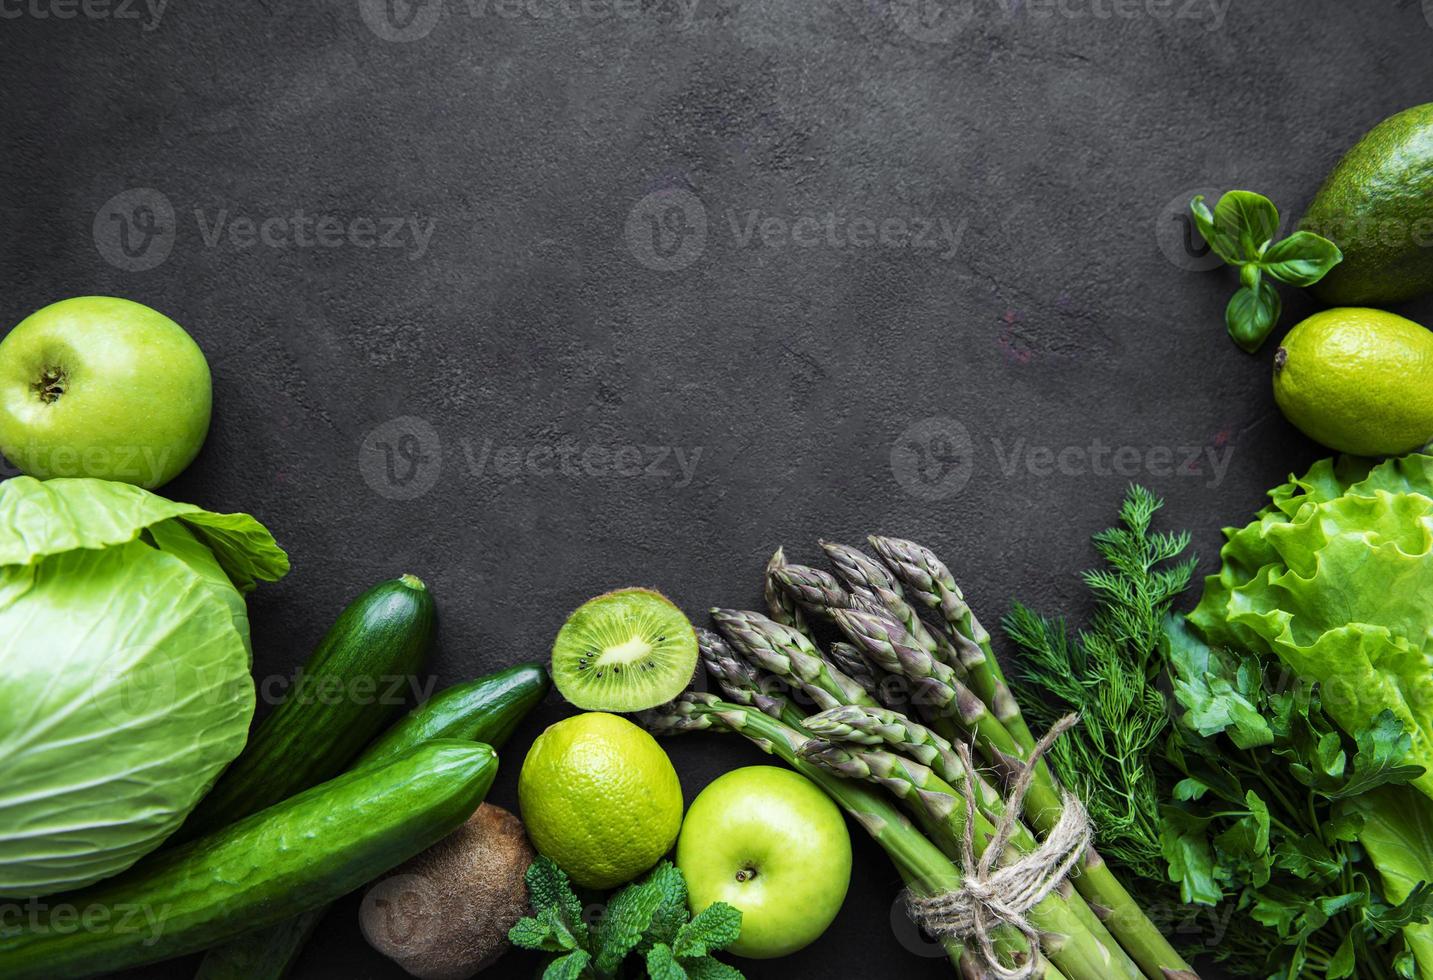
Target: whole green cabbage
x=124, y=671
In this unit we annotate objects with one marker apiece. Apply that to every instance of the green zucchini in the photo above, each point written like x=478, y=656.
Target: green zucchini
x=350, y=688
x=485, y=710
x=265, y=869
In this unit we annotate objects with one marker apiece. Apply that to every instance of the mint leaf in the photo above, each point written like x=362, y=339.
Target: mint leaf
x=714, y=927
x=662, y=964
x=548, y=887
x=569, y=967
x=672, y=913
x=530, y=933
x=1251, y=315
x=709, y=968
x=1302, y=259
x=1247, y=218
x=629, y=915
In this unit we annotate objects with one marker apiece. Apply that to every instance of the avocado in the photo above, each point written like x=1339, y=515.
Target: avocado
x=1377, y=206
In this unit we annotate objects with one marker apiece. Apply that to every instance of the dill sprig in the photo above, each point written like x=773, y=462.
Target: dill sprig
x=1110, y=673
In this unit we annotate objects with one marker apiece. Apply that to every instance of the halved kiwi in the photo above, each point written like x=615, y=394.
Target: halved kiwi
x=624, y=651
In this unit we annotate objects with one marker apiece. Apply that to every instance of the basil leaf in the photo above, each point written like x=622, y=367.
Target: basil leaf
x=1251, y=315
x=1247, y=218
x=1224, y=246
x=1302, y=259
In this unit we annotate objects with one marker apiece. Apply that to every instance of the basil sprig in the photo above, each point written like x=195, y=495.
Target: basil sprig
x=1241, y=231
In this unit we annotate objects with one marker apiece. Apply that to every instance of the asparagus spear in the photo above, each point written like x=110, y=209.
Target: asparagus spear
x=864, y=575
x=769, y=645
x=941, y=809
x=854, y=664
x=739, y=681
x=924, y=866
x=779, y=605
x=955, y=707
x=885, y=641
x=815, y=590
x=785, y=652
x=929, y=581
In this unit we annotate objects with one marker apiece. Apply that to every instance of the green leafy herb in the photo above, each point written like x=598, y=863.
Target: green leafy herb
x=1274, y=814
x=1107, y=673
x=648, y=919
x=1241, y=230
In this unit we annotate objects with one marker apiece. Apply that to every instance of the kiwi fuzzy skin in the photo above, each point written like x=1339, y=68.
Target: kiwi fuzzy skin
x=445, y=914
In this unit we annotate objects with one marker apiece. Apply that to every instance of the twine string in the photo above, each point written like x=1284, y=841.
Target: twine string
x=992, y=896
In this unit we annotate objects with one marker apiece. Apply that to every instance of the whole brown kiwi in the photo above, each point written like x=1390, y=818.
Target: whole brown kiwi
x=445, y=914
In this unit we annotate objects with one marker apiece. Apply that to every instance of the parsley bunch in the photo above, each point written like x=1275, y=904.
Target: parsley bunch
x=649, y=918
x=1272, y=815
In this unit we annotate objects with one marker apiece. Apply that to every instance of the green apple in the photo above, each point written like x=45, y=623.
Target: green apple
x=770, y=843
x=102, y=387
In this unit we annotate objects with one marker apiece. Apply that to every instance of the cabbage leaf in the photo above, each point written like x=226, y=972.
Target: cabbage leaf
x=124, y=671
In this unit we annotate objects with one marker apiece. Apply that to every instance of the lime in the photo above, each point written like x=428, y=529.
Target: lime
x=1358, y=380
x=600, y=797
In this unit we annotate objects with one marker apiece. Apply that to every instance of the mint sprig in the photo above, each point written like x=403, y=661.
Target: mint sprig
x=1241, y=231
x=649, y=918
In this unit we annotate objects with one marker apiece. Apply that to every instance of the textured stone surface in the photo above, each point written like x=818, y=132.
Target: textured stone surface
x=783, y=357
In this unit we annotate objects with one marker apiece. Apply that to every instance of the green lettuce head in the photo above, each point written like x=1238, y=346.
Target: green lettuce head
x=1335, y=579
x=124, y=671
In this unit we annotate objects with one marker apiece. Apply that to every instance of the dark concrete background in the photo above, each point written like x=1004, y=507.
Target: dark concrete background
x=827, y=377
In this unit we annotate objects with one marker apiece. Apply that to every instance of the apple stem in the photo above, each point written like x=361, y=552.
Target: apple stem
x=51, y=385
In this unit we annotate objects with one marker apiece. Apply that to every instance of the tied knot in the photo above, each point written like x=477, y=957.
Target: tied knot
x=992, y=897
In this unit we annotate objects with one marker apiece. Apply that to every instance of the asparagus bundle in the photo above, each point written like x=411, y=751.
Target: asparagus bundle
x=835, y=716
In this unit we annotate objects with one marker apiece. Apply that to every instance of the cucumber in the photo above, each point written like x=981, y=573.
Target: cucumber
x=349, y=689
x=485, y=710
x=306, y=851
